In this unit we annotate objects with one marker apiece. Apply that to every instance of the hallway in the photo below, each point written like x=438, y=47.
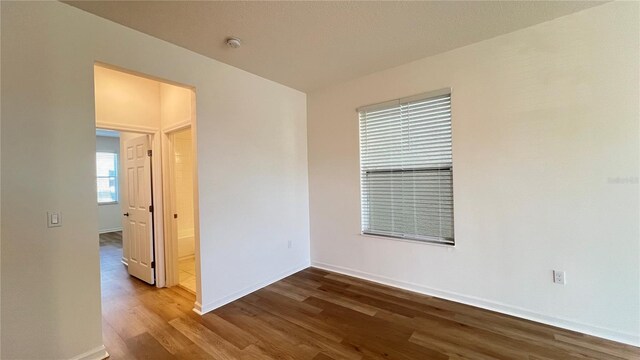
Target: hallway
x=135, y=315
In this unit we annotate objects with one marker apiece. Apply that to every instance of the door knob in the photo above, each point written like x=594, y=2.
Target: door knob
x=126, y=214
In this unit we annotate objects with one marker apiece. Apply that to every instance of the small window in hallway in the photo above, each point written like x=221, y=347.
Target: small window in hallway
x=107, y=177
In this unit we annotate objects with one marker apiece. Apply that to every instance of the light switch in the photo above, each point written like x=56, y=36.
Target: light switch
x=54, y=219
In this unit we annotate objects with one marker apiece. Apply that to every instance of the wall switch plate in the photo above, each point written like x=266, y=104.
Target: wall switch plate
x=54, y=219
x=559, y=277
x=289, y=244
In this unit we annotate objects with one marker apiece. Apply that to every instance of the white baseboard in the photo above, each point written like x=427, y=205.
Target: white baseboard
x=104, y=231
x=609, y=334
x=203, y=309
x=98, y=353
x=197, y=308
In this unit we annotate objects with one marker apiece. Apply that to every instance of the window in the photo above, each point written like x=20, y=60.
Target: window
x=406, y=168
x=107, y=177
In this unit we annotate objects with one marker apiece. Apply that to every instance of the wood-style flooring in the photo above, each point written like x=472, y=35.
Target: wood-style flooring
x=315, y=314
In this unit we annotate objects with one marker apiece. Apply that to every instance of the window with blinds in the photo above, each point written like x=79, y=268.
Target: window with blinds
x=107, y=177
x=406, y=168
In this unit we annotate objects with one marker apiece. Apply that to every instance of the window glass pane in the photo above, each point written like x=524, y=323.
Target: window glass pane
x=107, y=177
x=106, y=164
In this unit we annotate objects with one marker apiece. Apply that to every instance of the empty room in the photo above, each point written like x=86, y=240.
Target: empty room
x=319, y=180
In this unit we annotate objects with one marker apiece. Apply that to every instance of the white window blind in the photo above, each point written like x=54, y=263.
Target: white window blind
x=406, y=168
x=107, y=177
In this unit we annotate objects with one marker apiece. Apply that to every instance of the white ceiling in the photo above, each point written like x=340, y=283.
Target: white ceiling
x=310, y=45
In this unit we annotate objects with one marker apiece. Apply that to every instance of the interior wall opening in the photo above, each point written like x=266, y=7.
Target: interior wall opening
x=184, y=206
x=145, y=114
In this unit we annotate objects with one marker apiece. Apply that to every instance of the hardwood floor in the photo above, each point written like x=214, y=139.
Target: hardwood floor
x=315, y=314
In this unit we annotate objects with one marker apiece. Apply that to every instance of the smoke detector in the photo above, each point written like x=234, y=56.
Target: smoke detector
x=233, y=43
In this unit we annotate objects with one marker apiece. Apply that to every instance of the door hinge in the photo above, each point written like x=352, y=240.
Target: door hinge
x=149, y=152
x=153, y=264
x=150, y=208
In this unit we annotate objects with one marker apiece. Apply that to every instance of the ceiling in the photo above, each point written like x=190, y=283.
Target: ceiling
x=310, y=45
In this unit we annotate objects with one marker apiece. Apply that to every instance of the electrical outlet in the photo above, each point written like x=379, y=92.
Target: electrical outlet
x=289, y=244
x=559, y=277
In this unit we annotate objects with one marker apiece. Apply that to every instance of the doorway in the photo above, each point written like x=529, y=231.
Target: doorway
x=151, y=116
x=109, y=186
x=181, y=185
x=137, y=207
x=125, y=200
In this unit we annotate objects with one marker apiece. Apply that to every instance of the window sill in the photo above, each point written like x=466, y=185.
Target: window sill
x=108, y=203
x=421, y=242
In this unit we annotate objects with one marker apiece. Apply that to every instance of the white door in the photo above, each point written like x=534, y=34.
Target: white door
x=138, y=218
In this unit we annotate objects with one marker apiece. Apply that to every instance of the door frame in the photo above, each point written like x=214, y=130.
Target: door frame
x=156, y=175
x=171, y=240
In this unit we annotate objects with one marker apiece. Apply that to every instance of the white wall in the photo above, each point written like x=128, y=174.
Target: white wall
x=109, y=215
x=252, y=164
x=175, y=105
x=545, y=120
x=125, y=99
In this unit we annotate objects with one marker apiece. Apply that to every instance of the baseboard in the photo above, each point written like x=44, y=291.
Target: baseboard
x=203, y=309
x=98, y=353
x=197, y=308
x=609, y=334
x=104, y=231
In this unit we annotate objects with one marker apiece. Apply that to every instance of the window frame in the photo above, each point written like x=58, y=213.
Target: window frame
x=431, y=240
x=116, y=178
